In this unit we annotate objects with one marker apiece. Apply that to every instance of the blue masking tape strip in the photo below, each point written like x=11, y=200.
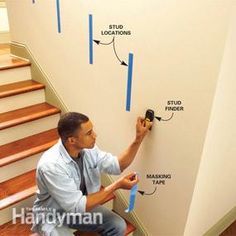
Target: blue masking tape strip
x=58, y=17
x=90, y=39
x=132, y=197
x=129, y=81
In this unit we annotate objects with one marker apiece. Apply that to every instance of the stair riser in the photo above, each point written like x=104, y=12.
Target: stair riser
x=19, y=167
x=22, y=100
x=6, y=214
x=15, y=75
x=29, y=128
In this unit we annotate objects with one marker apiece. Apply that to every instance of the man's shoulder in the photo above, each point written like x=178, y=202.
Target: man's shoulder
x=91, y=150
x=50, y=158
x=91, y=155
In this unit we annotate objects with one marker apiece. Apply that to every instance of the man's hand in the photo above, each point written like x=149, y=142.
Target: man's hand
x=142, y=128
x=128, y=181
x=95, y=199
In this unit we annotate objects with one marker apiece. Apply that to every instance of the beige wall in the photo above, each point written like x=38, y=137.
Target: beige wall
x=178, y=48
x=4, y=25
x=215, y=193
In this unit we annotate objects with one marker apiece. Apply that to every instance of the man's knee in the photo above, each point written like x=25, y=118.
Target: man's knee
x=112, y=224
x=119, y=225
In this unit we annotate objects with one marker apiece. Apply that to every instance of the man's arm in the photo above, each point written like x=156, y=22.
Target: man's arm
x=65, y=192
x=95, y=199
x=126, y=158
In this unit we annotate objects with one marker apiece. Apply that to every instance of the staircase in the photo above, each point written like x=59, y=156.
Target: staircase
x=27, y=128
x=230, y=231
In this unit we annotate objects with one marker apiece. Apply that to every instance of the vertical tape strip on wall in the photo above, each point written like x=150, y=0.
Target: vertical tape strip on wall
x=58, y=16
x=129, y=81
x=90, y=39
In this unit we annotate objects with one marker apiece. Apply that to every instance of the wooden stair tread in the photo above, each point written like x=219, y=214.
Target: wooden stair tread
x=19, y=87
x=17, y=189
x=26, y=114
x=28, y=146
x=8, y=61
x=10, y=229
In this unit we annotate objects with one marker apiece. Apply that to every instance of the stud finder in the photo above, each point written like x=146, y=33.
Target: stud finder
x=149, y=116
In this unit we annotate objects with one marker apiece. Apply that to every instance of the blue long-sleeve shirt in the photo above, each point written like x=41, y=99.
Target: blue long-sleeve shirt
x=58, y=179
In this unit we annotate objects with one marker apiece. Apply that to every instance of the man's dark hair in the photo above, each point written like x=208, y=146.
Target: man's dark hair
x=69, y=123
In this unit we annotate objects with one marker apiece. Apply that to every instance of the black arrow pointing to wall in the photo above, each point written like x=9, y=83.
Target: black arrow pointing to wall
x=114, y=48
x=144, y=193
x=98, y=42
x=160, y=119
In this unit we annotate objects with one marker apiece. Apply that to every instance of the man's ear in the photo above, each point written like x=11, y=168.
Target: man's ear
x=71, y=140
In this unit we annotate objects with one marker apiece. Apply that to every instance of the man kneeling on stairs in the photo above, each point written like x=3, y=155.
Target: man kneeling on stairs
x=68, y=179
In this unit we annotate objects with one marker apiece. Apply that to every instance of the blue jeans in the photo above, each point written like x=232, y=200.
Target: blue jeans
x=112, y=225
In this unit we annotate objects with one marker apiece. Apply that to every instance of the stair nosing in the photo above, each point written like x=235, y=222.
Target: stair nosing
x=26, y=153
x=22, y=90
x=8, y=67
x=8, y=201
x=53, y=132
x=35, y=116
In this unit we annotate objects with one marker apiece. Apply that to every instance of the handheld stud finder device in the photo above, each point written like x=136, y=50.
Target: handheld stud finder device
x=149, y=116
